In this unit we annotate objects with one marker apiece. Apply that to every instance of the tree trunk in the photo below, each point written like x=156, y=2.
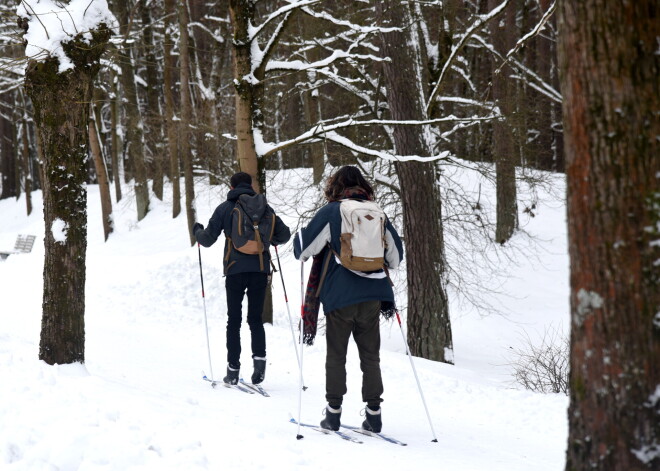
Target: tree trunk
x=429, y=326
x=186, y=117
x=544, y=150
x=247, y=109
x=504, y=147
x=134, y=123
x=169, y=72
x=8, y=152
x=101, y=175
x=61, y=112
x=114, y=137
x=26, y=164
x=242, y=17
x=153, y=113
x=609, y=80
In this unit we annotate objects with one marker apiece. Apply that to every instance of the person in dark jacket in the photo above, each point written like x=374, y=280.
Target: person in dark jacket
x=352, y=300
x=244, y=273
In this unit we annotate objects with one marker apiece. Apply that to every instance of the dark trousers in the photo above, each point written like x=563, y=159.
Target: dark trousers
x=236, y=286
x=361, y=320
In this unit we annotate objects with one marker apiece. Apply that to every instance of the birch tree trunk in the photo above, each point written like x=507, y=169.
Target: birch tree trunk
x=609, y=80
x=429, y=326
x=61, y=113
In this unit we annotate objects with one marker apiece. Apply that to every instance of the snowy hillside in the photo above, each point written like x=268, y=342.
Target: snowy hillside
x=139, y=402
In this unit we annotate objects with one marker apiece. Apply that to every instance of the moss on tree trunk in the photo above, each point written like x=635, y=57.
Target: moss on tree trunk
x=61, y=113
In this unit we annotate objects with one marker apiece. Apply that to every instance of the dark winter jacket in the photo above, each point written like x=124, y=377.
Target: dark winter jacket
x=235, y=261
x=342, y=287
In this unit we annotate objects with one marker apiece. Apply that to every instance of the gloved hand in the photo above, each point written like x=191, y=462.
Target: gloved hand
x=197, y=227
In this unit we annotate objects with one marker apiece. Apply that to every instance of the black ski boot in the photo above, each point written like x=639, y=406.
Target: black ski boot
x=259, y=370
x=373, y=420
x=332, y=416
x=232, y=375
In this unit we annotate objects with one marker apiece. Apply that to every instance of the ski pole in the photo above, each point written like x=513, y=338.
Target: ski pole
x=206, y=325
x=288, y=311
x=302, y=331
x=421, y=393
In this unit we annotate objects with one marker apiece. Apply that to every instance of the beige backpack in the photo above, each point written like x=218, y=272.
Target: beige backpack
x=362, y=235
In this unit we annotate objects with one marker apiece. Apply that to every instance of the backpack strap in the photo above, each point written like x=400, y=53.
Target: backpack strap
x=260, y=244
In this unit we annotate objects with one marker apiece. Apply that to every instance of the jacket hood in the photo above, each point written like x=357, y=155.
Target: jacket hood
x=241, y=189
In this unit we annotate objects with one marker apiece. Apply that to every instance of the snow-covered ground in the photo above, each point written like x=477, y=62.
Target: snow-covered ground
x=139, y=402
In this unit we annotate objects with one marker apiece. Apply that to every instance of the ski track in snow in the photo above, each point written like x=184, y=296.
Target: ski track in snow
x=139, y=402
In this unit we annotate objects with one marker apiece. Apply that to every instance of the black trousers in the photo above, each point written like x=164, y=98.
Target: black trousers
x=236, y=286
x=361, y=320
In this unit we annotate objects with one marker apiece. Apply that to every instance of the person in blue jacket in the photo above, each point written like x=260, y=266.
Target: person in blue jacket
x=244, y=273
x=352, y=300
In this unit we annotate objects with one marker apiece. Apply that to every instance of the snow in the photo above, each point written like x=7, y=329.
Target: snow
x=53, y=22
x=139, y=403
x=587, y=302
x=59, y=230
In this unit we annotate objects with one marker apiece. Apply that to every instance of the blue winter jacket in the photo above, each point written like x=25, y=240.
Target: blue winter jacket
x=221, y=220
x=342, y=287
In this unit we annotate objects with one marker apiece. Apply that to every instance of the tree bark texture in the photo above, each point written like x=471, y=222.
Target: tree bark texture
x=134, y=124
x=504, y=146
x=429, y=327
x=186, y=117
x=609, y=79
x=61, y=112
x=27, y=173
x=242, y=16
x=114, y=137
x=7, y=153
x=169, y=72
x=153, y=115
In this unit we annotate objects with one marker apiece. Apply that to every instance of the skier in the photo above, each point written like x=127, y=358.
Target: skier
x=352, y=299
x=244, y=272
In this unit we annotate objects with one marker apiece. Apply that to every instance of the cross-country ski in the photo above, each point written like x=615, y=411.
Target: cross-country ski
x=239, y=387
x=255, y=387
x=368, y=433
x=340, y=434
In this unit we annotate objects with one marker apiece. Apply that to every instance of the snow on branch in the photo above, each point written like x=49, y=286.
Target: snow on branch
x=292, y=5
x=216, y=37
x=260, y=59
x=344, y=141
x=477, y=25
x=535, y=31
x=299, y=65
x=324, y=131
x=541, y=85
x=51, y=23
x=352, y=26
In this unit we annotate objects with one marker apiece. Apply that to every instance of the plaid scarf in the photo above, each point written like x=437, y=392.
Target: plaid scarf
x=312, y=303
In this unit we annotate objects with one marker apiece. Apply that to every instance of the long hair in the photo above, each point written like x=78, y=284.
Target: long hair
x=344, y=178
